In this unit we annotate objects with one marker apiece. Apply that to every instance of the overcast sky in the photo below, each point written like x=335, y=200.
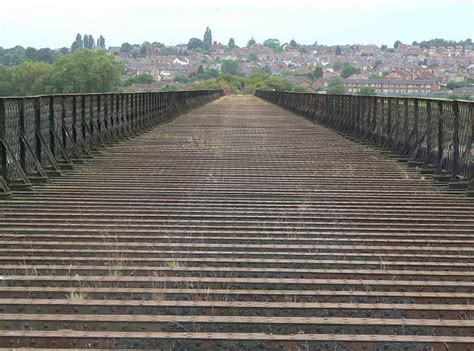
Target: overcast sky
x=54, y=23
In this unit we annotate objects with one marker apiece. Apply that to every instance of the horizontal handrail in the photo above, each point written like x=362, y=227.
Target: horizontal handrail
x=434, y=133
x=40, y=135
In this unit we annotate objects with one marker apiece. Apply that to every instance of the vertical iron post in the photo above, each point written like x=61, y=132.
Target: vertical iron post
x=389, y=121
x=38, y=146
x=107, y=97
x=429, y=131
x=456, y=147
x=99, y=114
x=83, y=116
x=416, y=121
x=91, y=116
x=21, y=134
x=374, y=119
x=74, y=119
x=405, y=125
x=3, y=132
x=52, y=126
x=63, y=121
x=440, y=132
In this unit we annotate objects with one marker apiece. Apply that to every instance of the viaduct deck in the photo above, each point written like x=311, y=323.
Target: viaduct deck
x=238, y=226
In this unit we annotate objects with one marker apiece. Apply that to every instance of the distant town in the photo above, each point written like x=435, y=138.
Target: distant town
x=437, y=67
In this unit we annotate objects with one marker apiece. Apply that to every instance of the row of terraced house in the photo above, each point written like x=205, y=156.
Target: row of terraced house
x=394, y=86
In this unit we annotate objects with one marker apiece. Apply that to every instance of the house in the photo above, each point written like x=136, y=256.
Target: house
x=182, y=62
x=398, y=74
x=167, y=75
x=394, y=86
x=303, y=82
x=358, y=76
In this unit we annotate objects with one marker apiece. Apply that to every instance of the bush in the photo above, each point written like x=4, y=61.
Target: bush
x=141, y=78
x=336, y=85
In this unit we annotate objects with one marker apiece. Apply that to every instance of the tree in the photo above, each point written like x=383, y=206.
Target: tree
x=207, y=40
x=318, y=72
x=157, y=45
x=31, y=53
x=368, y=91
x=336, y=85
x=126, y=47
x=16, y=55
x=85, y=39
x=91, y=42
x=213, y=73
x=466, y=97
x=443, y=42
x=46, y=55
x=454, y=85
x=251, y=42
x=6, y=88
x=182, y=78
x=338, y=65
x=13, y=56
x=167, y=51
x=225, y=81
x=376, y=76
x=260, y=79
x=144, y=48
x=84, y=71
x=143, y=78
x=77, y=44
x=64, y=51
x=396, y=44
x=135, y=52
x=266, y=69
x=348, y=70
x=204, y=74
x=338, y=51
x=101, y=42
x=169, y=87
x=231, y=43
x=272, y=43
x=195, y=43
x=29, y=78
x=253, y=57
x=293, y=43
x=231, y=67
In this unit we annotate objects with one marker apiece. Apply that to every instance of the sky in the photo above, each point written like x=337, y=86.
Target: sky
x=54, y=23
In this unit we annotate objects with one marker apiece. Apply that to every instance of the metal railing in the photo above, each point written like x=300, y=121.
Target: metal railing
x=41, y=135
x=430, y=132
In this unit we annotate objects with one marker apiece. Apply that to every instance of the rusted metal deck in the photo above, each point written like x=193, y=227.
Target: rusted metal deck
x=238, y=226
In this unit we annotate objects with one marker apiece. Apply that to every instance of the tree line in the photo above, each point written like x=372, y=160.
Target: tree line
x=442, y=42
x=84, y=71
x=18, y=54
x=87, y=42
x=259, y=79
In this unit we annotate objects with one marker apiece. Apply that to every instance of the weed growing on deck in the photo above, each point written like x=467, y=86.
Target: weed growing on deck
x=77, y=296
